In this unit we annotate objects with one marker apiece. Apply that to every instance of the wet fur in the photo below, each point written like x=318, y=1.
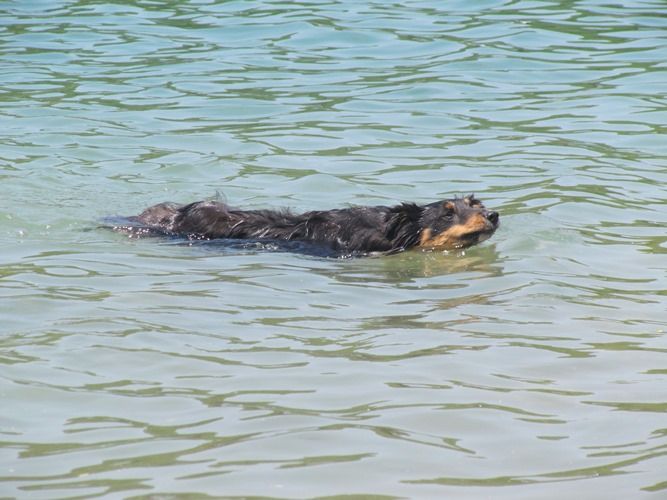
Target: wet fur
x=448, y=224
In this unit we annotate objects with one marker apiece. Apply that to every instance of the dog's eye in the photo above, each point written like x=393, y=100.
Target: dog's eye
x=449, y=209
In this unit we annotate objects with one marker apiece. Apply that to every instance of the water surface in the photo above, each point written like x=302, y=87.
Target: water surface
x=531, y=366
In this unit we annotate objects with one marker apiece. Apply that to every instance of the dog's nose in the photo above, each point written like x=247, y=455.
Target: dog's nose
x=493, y=217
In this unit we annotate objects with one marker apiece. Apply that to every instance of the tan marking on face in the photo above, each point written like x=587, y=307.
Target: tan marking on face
x=454, y=236
x=425, y=237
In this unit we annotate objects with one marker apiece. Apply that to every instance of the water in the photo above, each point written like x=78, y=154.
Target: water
x=531, y=366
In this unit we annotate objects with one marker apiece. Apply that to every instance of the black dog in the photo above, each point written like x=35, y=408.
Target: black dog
x=448, y=224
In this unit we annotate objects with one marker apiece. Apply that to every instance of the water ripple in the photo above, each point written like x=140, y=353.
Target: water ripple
x=530, y=366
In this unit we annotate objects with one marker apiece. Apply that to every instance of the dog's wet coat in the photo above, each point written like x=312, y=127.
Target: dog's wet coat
x=443, y=225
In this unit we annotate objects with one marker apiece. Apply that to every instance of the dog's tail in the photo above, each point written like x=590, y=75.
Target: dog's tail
x=156, y=220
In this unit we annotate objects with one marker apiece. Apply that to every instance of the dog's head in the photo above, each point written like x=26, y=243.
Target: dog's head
x=457, y=223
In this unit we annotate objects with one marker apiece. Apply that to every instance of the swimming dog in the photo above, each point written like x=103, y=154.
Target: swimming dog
x=444, y=225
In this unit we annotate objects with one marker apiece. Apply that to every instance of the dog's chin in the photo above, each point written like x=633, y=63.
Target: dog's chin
x=475, y=238
x=484, y=236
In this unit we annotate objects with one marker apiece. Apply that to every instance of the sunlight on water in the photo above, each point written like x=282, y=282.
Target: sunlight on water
x=531, y=366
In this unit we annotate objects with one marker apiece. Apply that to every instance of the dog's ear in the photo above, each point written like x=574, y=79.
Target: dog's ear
x=471, y=201
x=407, y=212
x=450, y=207
x=403, y=225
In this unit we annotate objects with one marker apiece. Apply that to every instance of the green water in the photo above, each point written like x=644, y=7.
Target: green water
x=531, y=366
